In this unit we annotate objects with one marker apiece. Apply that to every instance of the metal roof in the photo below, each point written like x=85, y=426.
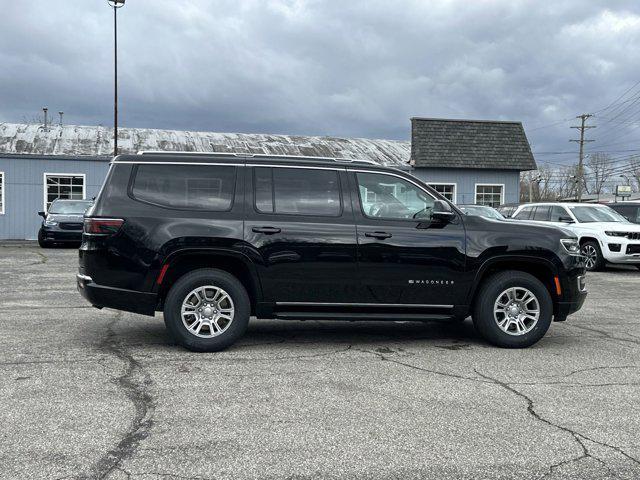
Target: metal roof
x=477, y=144
x=73, y=140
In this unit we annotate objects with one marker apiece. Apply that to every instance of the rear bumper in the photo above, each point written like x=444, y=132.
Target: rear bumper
x=117, y=298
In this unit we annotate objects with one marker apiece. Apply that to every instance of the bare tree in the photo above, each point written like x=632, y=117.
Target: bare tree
x=566, y=186
x=634, y=170
x=600, y=168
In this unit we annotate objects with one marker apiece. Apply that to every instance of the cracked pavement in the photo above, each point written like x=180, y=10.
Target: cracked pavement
x=88, y=393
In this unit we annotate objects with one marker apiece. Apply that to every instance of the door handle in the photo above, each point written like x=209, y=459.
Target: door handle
x=378, y=235
x=266, y=230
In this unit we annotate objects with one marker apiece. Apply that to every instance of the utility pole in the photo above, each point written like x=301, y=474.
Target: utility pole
x=582, y=141
x=531, y=180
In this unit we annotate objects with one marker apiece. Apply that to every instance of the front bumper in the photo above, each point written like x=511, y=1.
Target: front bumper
x=59, y=235
x=575, y=293
x=625, y=252
x=117, y=298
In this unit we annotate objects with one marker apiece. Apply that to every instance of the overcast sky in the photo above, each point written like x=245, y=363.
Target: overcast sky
x=347, y=68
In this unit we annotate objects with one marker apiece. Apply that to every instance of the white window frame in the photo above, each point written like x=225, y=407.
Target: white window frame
x=475, y=191
x=2, y=189
x=455, y=189
x=50, y=174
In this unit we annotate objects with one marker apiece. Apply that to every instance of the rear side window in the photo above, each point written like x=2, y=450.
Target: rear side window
x=524, y=213
x=198, y=187
x=296, y=191
x=541, y=213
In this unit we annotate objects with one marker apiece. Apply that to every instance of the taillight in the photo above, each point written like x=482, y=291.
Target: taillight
x=102, y=226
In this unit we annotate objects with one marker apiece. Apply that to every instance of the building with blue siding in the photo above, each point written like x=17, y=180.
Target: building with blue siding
x=467, y=161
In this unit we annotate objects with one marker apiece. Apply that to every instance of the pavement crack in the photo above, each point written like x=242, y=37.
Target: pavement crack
x=578, y=437
x=135, y=382
x=386, y=358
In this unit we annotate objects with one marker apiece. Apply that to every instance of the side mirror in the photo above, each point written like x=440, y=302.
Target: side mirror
x=566, y=219
x=42, y=214
x=442, y=211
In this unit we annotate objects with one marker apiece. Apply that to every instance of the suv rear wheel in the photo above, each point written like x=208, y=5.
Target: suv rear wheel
x=207, y=310
x=593, y=256
x=513, y=309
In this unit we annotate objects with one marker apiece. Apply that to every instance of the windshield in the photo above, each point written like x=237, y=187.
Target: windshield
x=481, y=211
x=70, y=208
x=590, y=214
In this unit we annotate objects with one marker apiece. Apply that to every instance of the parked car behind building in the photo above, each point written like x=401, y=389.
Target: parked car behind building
x=63, y=222
x=481, y=211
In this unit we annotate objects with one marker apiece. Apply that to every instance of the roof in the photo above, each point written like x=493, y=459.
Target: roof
x=478, y=144
x=604, y=198
x=73, y=140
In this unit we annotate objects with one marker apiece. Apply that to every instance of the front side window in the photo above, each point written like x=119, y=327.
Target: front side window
x=1, y=193
x=447, y=190
x=66, y=187
x=297, y=191
x=198, y=187
x=558, y=214
x=386, y=196
x=490, y=195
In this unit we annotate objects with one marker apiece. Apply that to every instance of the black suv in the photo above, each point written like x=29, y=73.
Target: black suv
x=211, y=239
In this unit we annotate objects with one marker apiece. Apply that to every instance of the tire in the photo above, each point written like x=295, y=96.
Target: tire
x=41, y=241
x=594, y=261
x=215, y=332
x=493, y=290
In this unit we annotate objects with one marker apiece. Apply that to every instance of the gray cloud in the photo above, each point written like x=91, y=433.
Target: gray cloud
x=350, y=67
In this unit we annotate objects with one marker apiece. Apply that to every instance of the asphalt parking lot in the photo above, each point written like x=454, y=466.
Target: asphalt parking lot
x=88, y=393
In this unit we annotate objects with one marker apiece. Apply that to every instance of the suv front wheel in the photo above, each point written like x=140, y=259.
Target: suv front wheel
x=207, y=310
x=513, y=309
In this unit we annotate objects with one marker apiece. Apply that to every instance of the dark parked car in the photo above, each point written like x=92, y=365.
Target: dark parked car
x=210, y=239
x=63, y=222
x=629, y=210
x=507, y=209
x=481, y=211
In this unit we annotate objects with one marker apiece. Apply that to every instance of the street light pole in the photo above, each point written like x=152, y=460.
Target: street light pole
x=115, y=4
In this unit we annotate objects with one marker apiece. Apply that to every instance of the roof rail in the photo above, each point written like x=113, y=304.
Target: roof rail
x=258, y=155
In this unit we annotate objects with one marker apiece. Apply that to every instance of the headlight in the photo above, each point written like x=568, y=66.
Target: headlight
x=616, y=234
x=50, y=223
x=571, y=245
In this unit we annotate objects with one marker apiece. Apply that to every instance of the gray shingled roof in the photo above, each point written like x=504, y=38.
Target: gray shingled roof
x=74, y=140
x=478, y=144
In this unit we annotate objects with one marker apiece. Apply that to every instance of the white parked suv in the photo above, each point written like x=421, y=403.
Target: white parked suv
x=604, y=234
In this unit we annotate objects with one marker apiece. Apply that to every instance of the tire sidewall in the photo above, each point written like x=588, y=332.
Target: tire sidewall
x=191, y=281
x=484, y=317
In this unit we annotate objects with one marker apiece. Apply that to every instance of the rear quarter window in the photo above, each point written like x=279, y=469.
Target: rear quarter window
x=187, y=187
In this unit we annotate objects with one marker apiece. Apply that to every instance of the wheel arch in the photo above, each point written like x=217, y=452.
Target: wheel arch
x=541, y=268
x=182, y=262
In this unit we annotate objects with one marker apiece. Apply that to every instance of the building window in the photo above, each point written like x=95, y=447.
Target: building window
x=1, y=193
x=489, y=194
x=447, y=190
x=64, y=186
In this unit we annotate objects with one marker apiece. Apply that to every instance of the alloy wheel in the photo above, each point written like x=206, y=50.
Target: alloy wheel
x=207, y=311
x=591, y=256
x=516, y=311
